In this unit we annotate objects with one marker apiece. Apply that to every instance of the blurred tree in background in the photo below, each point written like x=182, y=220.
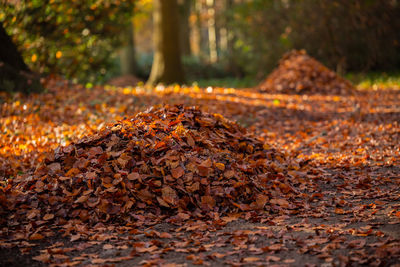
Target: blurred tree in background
x=167, y=64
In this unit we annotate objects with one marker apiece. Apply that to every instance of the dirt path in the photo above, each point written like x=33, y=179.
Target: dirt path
x=333, y=240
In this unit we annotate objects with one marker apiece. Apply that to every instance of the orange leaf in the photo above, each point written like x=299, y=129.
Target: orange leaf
x=36, y=236
x=165, y=235
x=207, y=163
x=72, y=172
x=169, y=195
x=209, y=201
x=108, y=246
x=220, y=166
x=133, y=176
x=42, y=257
x=280, y=201
x=48, y=216
x=54, y=167
x=75, y=237
x=261, y=200
x=251, y=259
x=229, y=174
x=339, y=211
x=160, y=144
x=82, y=199
x=177, y=172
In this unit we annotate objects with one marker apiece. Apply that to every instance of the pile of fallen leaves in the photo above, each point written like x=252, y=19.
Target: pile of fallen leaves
x=125, y=80
x=176, y=161
x=299, y=73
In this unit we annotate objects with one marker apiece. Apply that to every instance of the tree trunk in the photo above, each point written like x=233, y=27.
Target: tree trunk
x=212, y=33
x=232, y=64
x=184, y=14
x=14, y=73
x=197, y=35
x=167, y=65
x=127, y=54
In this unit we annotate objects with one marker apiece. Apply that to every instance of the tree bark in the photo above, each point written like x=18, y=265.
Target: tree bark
x=212, y=33
x=14, y=73
x=127, y=54
x=184, y=14
x=167, y=65
x=197, y=35
x=233, y=66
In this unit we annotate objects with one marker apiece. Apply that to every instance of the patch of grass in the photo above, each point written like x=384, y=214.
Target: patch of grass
x=375, y=80
x=363, y=81
x=230, y=82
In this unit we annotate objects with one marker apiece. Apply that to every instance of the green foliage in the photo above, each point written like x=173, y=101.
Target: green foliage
x=374, y=80
x=228, y=82
x=256, y=44
x=73, y=38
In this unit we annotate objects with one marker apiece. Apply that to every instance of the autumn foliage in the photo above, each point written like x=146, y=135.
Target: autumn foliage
x=299, y=73
x=172, y=160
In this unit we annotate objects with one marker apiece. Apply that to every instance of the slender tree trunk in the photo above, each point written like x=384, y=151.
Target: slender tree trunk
x=167, y=65
x=223, y=29
x=197, y=36
x=127, y=54
x=233, y=67
x=14, y=73
x=184, y=12
x=223, y=40
x=212, y=34
x=327, y=20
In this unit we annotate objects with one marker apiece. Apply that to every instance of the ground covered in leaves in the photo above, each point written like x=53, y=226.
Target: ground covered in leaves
x=244, y=178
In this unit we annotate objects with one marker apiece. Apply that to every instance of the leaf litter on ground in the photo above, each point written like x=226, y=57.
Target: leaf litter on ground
x=339, y=154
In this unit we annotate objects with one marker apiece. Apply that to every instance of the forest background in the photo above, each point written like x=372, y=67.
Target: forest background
x=227, y=42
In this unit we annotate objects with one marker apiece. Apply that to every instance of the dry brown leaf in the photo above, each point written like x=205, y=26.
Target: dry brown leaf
x=177, y=172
